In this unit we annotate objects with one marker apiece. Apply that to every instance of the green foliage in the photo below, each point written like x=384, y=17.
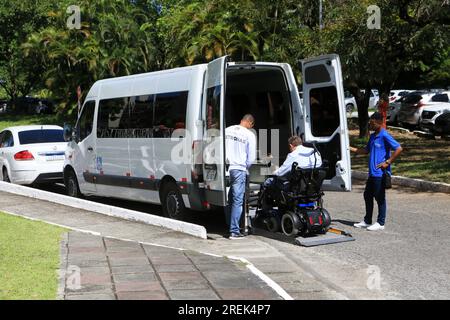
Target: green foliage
x=115, y=39
x=125, y=37
x=19, y=73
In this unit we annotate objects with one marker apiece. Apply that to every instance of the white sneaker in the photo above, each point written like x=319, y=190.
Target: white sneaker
x=375, y=227
x=362, y=224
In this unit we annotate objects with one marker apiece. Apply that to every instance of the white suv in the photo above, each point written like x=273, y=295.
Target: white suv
x=441, y=104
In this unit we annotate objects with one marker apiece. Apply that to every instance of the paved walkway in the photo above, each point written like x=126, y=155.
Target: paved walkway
x=108, y=269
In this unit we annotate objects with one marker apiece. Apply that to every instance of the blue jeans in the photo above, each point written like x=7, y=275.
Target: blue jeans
x=236, y=199
x=375, y=189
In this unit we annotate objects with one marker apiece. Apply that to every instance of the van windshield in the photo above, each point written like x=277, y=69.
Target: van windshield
x=41, y=136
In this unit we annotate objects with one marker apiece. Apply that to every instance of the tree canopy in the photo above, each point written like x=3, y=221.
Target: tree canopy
x=38, y=51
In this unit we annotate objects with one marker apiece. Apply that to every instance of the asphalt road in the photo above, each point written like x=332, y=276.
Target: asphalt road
x=410, y=259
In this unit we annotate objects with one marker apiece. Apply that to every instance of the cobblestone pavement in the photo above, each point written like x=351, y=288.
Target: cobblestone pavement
x=97, y=268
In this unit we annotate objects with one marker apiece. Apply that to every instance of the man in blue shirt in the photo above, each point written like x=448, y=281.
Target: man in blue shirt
x=380, y=159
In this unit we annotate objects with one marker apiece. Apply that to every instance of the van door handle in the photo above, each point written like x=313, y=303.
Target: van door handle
x=90, y=149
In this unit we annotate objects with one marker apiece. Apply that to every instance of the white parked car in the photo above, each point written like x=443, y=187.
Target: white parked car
x=413, y=105
x=32, y=154
x=396, y=94
x=350, y=102
x=430, y=113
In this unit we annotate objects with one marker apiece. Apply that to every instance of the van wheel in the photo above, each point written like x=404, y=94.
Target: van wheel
x=172, y=202
x=71, y=183
x=5, y=175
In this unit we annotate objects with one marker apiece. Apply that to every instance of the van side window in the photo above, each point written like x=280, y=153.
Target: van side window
x=141, y=116
x=213, y=108
x=324, y=106
x=86, y=121
x=113, y=118
x=170, y=113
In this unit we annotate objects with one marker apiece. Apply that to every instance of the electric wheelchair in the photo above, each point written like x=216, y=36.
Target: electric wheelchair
x=293, y=203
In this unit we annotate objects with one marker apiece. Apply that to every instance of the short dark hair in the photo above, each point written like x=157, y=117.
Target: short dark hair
x=376, y=116
x=295, y=141
x=248, y=117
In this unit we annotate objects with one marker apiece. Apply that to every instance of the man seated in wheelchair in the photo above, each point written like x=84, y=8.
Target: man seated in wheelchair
x=295, y=189
x=304, y=157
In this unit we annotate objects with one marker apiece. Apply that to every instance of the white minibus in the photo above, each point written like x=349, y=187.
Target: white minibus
x=158, y=137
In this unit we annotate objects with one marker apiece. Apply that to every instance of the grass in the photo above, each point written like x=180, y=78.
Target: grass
x=9, y=120
x=421, y=158
x=29, y=259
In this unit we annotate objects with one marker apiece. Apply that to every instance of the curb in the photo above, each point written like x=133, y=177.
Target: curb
x=418, y=184
x=131, y=215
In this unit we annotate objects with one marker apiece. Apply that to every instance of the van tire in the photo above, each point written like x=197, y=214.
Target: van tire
x=71, y=184
x=5, y=176
x=172, y=201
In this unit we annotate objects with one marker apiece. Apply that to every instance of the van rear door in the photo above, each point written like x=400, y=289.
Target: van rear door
x=214, y=117
x=325, y=117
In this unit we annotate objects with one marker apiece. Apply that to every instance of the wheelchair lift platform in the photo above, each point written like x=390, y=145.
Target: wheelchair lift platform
x=332, y=236
x=322, y=239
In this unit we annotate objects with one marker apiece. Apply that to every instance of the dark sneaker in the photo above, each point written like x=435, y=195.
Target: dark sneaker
x=236, y=236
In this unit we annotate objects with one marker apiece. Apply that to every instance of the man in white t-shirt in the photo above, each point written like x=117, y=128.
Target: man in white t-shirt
x=240, y=146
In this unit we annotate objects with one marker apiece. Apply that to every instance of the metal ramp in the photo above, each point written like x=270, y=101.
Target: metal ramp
x=251, y=226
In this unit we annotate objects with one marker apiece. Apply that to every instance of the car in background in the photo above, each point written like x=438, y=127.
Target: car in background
x=374, y=97
x=442, y=125
x=32, y=154
x=441, y=104
x=350, y=102
x=31, y=105
x=397, y=94
x=3, y=106
x=394, y=108
x=411, y=108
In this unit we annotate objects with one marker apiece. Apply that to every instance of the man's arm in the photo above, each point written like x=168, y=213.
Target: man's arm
x=251, y=151
x=388, y=162
x=359, y=150
x=393, y=145
x=285, y=167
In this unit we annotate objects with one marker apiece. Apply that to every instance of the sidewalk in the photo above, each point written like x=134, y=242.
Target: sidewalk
x=119, y=270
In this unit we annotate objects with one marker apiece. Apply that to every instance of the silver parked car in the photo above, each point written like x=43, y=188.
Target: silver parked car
x=411, y=108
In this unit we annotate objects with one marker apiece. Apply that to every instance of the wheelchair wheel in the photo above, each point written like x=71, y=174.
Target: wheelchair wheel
x=290, y=224
x=326, y=218
x=272, y=224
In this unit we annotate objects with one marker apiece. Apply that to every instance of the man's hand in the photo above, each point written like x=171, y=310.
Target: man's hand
x=383, y=165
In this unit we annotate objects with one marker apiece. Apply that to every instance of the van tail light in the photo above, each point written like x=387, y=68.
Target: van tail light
x=23, y=156
x=420, y=104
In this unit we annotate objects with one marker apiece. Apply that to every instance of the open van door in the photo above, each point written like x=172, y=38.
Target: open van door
x=325, y=118
x=214, y=117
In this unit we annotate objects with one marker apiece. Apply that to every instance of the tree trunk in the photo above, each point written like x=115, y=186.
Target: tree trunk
x=362, y=102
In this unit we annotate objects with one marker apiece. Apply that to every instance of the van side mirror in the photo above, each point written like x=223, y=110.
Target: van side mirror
x=68, y=133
